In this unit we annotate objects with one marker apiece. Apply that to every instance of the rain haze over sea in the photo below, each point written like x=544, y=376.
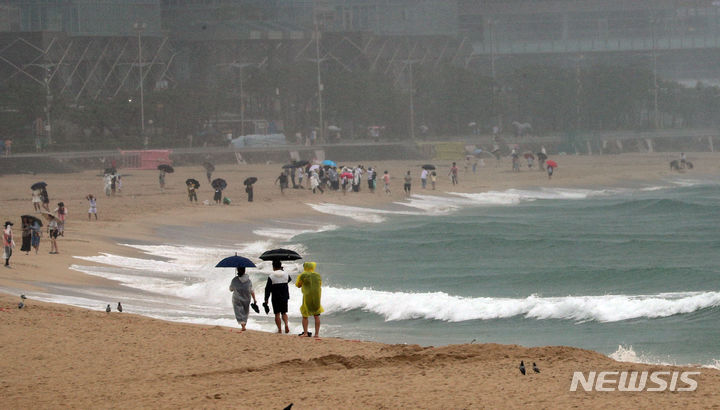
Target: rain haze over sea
x=631, y=272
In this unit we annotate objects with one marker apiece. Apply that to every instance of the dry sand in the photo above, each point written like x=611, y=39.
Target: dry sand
x=60, y=356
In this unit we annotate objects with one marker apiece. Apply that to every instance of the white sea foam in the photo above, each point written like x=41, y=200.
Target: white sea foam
x=441, y=306
x=287, y=233
x=357, y=213
x=628, y=354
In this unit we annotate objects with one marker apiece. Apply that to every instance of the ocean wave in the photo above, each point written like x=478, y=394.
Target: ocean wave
x=628, y=354
x=441, y=306
x=288, y=233
x=370, y=215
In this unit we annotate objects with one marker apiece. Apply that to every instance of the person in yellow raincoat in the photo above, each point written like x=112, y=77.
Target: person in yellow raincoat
x=311, y=284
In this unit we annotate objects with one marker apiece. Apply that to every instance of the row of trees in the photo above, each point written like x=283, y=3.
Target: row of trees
x=446, y=99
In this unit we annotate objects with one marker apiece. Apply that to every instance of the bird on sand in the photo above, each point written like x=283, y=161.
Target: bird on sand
x=119, y=307
x=21, y=305
x=23, y=297
x=535, y=368
x=522, y=367
x=107, y=309
x=289, y=406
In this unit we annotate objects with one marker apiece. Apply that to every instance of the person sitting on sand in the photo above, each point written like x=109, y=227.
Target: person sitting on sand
x=276, y=290
x=242, y=289
x=311, y=284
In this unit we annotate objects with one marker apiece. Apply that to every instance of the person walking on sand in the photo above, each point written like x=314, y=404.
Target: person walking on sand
x=276, y=290
x=53, y=233
x=8, y=242
x=92, y=202
x=408, y=184
x=423, y=178
x=26, y=235
x=61, y=213
x=453, y=174
x=249, y=192
x=36, y=233
x=311, y=284
x=36, y=199
x=433, y=179
x=282, y=179
x=161, y=179
x=45, y=199
x=192, y=192
x=242, y=289
x=386, y=182
x=315, y=183
x=549, y=171
x=217, y=197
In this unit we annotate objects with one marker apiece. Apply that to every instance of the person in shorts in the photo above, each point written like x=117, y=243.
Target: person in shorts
x=53, y=232
x=276, y=290
x=92, y=202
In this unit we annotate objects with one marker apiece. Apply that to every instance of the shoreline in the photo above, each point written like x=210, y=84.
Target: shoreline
x=84, y=239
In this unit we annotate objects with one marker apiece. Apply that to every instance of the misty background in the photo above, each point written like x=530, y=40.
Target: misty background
x=84, y=74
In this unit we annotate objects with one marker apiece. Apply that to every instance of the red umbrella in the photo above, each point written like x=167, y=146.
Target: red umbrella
x=551, y=163
x=529, y=155
x=346, y=175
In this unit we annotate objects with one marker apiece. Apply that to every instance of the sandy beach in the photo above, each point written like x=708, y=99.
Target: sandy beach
x=57, y=355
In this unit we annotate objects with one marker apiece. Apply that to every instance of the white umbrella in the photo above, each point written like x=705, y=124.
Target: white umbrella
x=316, y=166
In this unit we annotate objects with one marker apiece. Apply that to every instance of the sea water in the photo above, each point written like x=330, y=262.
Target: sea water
x=631, y=272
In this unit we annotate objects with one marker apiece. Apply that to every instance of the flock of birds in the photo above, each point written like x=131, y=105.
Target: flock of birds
x=107, y=309
x=522, y=367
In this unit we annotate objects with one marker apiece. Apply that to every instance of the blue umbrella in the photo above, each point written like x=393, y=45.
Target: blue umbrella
x=329, y=163
x=234, y=262
x=478, y=151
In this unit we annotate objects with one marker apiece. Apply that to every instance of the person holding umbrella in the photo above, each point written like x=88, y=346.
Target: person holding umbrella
x=551, y=165
x=311, y=284
x=249, y=187
x=276, y=290
x=192, y=186
x=423, y=178
x=219, y=184
x=164, y=168
x=241, y=287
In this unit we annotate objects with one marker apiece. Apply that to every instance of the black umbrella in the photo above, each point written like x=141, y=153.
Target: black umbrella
x=300, y=163
x=38, y=185
x=209, y=167
x=288, y=166
x=541, y=156
x=234, y=262
x=32, y=219
x=219, y=183
x=110, y=170
x=280, y=255
x=250, y=180
x=428, y=167
x=193, y=182
x=166, y=168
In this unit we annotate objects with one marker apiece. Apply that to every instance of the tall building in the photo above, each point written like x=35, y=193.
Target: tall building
x=681, y=36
